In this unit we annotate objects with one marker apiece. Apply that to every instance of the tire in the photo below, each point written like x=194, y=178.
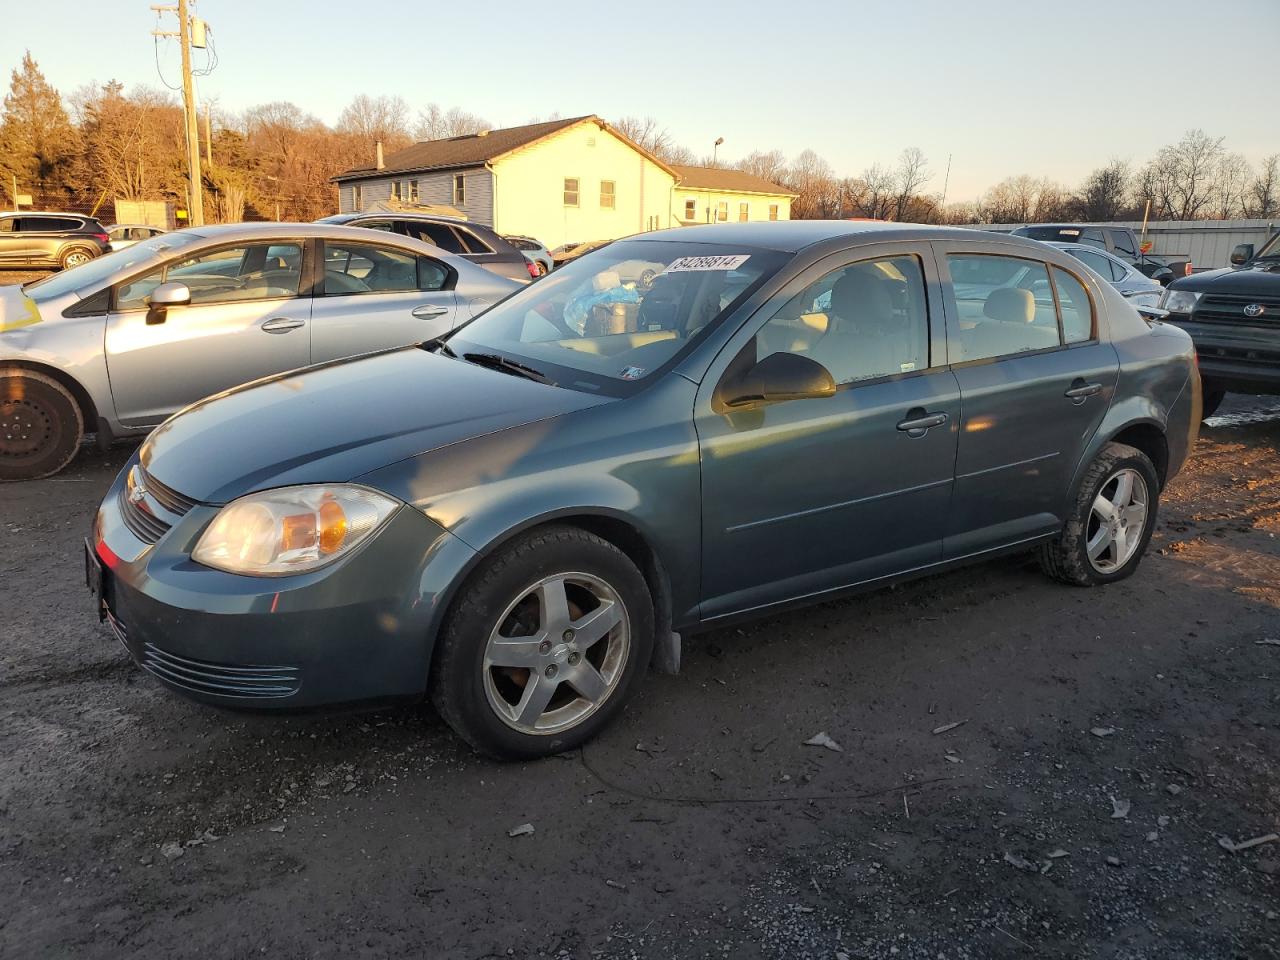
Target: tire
x=75, y=257
x=1212, y=399
x=1066, y=558
x=483, y=694
x=40, y=425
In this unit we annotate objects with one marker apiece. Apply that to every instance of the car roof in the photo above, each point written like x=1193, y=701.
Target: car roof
x=792, y=236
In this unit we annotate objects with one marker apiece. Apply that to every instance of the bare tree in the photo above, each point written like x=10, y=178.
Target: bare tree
x=373, y=119
x=771, y=165
x=813, y=180
x=1104, y=194
x=437, y=124
x=1262, y=199
x=1180, y=178
x=877, y=196
x=646, y=133
x=912, y=174
x=1230, y=182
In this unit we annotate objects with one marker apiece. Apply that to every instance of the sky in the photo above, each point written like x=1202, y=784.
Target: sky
x=1002, y=87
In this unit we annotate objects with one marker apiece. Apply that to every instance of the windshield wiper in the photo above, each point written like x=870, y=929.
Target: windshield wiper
x=496, y=361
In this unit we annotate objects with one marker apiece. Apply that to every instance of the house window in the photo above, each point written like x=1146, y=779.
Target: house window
x=355, y=197
x=742, y=213
x=722, y=211
x=690, y=209
x=773, y=211
x=413, y=191
x=459, y=190
x=570, y=191
x=395, y=190
x=606, y=194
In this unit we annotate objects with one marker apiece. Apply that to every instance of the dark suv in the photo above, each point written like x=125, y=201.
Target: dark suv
x=50, y=239
x=1233, y=315
x=471, y=241
x=1120, y=242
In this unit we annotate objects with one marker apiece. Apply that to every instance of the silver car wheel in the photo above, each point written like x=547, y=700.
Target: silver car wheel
x=75, y=259
x=1117, y=521
x=557, y=653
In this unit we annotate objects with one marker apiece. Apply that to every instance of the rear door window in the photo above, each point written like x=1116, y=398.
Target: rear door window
x=360, y=268
x=1093, y=238
x=1004, y=305
x=49, y=224
x=437, y=234
x=472, y=242
x=1077, y=311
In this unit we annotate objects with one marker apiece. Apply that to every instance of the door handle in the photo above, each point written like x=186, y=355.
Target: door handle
x=1081, y=391
x=919, y=422
x=429, y=310
x=283, y=324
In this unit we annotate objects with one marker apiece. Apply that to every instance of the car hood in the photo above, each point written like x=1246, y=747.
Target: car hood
x=331, y=423
x=1250, y=280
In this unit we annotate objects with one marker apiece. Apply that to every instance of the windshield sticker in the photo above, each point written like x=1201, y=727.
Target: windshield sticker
x=30, y=315
x=689, y=264
x=632, y=373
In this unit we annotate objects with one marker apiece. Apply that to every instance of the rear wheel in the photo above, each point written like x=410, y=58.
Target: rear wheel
x=1111, y=522
x=545, y=645
x=40, y=425
x=75, y=257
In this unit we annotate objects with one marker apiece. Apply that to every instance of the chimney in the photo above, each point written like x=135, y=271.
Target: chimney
x=381, y=164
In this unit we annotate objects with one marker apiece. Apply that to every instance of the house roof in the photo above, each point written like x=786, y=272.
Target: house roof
x=729, y=181
x=477, y=149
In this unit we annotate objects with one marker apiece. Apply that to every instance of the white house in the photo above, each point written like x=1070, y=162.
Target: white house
x=561, y=181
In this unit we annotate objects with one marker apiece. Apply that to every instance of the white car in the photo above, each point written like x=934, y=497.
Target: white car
x=127, y=234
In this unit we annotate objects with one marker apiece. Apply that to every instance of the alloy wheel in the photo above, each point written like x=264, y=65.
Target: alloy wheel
x=557, y=653
x=76, y=259
x=1116, y=521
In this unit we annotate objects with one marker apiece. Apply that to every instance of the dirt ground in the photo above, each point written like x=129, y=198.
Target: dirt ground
x=1109, y=742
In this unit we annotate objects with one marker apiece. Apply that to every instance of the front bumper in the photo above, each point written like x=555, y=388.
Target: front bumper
x=361, y=629
x=1239, y=359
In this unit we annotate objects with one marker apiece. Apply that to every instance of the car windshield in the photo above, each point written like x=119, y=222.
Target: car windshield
x=620, y=314
x=104, y=269
x=1271, y=251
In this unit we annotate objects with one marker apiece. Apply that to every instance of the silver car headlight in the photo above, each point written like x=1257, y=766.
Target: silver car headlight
x=1179, y=301
x=292, y=529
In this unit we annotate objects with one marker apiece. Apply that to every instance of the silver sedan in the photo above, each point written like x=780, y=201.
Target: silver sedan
x=116, y=346
x=1138, y=289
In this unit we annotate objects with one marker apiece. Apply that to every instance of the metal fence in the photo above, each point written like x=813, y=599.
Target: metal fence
x=1208, y=243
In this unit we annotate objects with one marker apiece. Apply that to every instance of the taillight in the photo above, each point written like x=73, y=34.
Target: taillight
x=533, y=270
x=101, y=237
x=1186, y=269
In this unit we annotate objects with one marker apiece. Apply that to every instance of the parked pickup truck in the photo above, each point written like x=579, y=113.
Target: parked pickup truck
x=1120, y=241
x=1233, y=315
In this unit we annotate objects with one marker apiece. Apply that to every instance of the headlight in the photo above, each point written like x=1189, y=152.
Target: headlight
x=1179, y=301
x=291, y=530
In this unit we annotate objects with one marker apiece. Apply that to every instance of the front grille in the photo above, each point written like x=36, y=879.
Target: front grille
x=168, y=497
x=1229, y=309
x=144, y=524
x=139, y=517
x=220, y=679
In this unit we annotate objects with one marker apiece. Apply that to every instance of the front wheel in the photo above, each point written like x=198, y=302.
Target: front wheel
x=40, y=425
x=1110, y=523
x=544, y=646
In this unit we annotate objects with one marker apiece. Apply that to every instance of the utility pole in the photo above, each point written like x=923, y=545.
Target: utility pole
x=195, y=205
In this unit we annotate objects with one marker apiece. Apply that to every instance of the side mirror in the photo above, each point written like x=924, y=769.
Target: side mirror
x=1242, y=254
x=778, y=377
x=163, y=297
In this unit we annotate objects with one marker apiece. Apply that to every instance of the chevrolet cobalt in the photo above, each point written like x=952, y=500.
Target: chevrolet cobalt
x=670, y=433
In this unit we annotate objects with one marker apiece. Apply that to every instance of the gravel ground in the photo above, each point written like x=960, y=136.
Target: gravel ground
x=1109, y=742
x=22, y=276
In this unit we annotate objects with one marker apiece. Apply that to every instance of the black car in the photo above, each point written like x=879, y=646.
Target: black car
x=464, y=238
x=1233, y=315
x=29, y=239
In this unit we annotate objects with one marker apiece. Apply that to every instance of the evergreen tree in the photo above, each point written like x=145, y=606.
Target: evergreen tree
x=37, y=142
